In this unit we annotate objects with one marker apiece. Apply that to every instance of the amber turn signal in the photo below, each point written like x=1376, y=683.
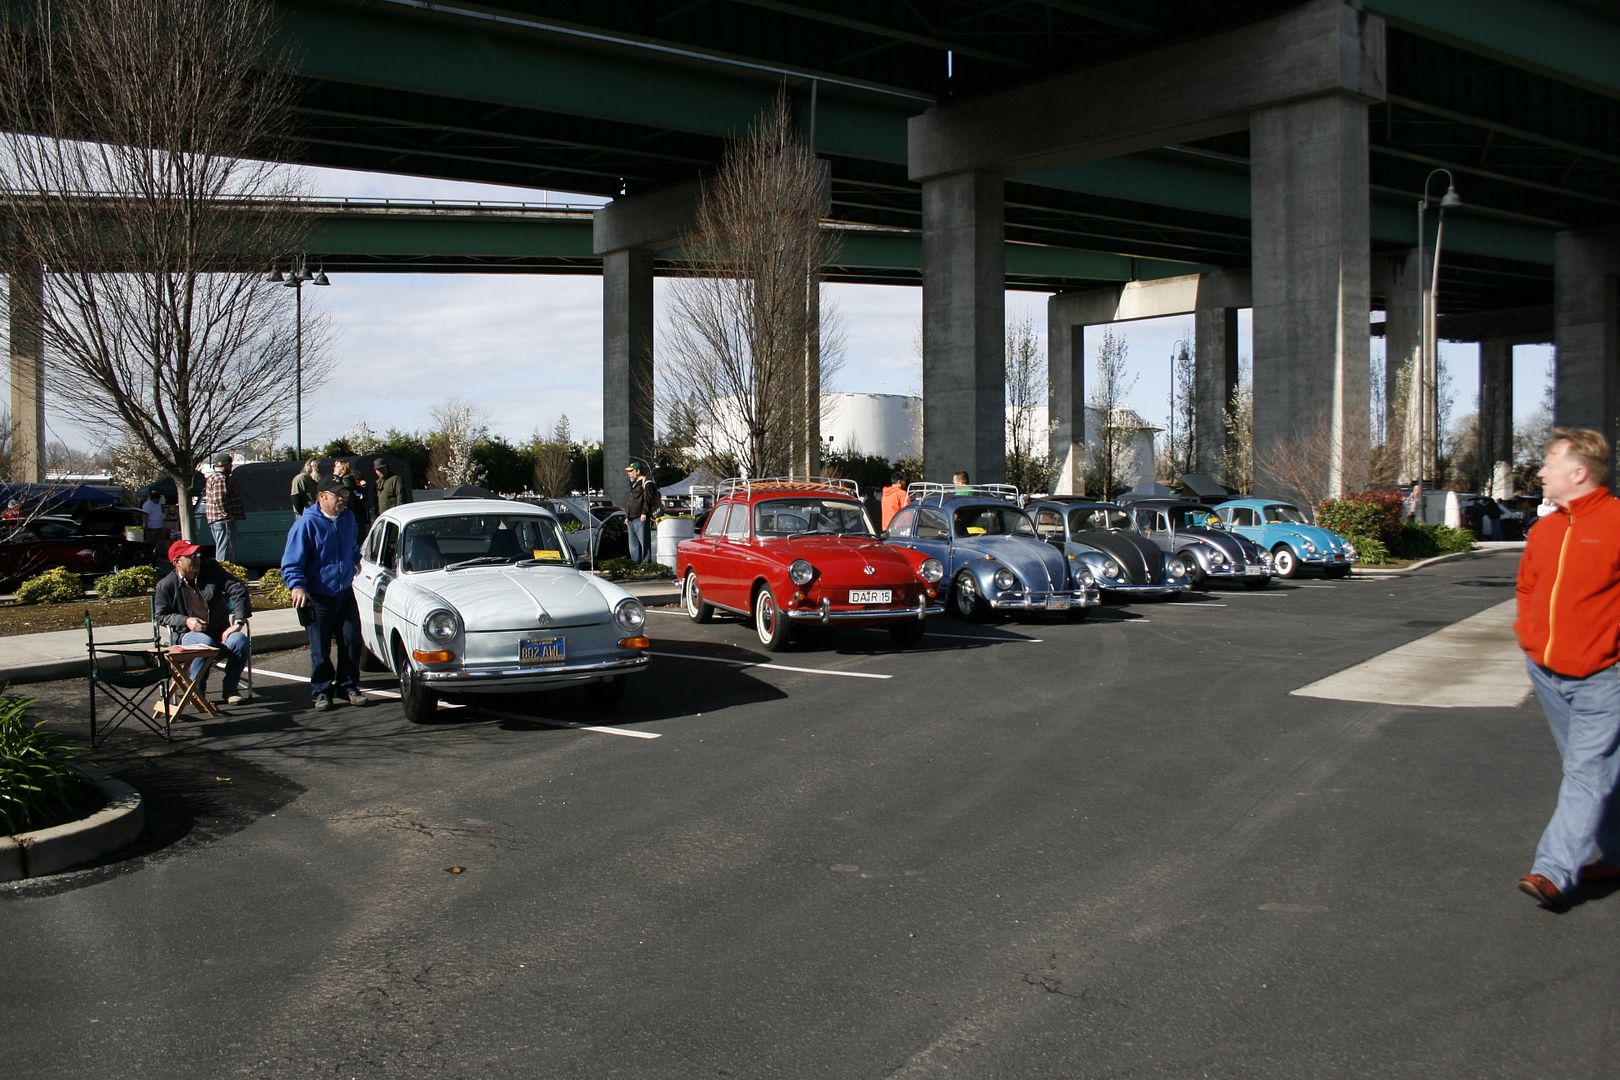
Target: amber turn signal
x=635, y=643
x=441, y=657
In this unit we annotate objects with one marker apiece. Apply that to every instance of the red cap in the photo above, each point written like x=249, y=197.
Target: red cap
x=182, y=547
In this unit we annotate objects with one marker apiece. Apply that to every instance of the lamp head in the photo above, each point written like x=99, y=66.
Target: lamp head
x=1450, y=198
x=274, y=276
x=320, y=278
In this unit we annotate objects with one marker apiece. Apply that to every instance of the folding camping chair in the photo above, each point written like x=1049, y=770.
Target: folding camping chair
x=126, y=677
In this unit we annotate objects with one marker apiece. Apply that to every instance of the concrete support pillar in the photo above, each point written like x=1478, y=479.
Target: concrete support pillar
x=1067, y=316
x=1403, y=341
x=1311, y=227
x=1586, y=312
x=1215, y=364
x=807, y=448
x=627, y=365
x=27, y=290
x=1495, y=408
x=964, y=357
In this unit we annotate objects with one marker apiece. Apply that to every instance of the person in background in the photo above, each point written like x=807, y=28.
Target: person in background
x=222, y=506
x=343, y=474
x=305, y=484
x=960, y=479
x=153, y=509
x=640, y=510
x=1568, y=581
x=894, y=497
x=318, y=565
x=391, y=490
x=202, y=603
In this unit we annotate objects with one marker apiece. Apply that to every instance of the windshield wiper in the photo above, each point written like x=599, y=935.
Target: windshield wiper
x=482, y=560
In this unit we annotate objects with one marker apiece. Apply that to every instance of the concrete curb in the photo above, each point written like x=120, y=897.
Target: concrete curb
x=1507, y=545
x=50, y=851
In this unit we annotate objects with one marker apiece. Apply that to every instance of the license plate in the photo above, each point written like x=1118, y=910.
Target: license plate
x=543, y=650
x=1058, y=603
x=1254, y=571
x=871, y=596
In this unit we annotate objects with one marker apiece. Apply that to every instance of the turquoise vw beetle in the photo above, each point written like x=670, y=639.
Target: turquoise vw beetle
x=1283, y=529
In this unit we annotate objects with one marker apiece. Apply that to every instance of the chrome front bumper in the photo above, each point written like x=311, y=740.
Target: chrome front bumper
x=824, y=614
x=1144, y=590
x=1039, y=601
x=500, y=677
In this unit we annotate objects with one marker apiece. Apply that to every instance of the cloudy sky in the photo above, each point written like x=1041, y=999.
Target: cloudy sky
x=526, y=349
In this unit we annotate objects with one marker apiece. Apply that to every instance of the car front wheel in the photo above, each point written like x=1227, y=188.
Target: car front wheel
x=965, y=597
x=421, y=705
x=696, y=609
x=1283, y=562
x=1196, y=578
x=769, y=622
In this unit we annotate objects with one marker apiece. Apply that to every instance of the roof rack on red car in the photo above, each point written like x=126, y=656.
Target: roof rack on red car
x=740, y=485
x=928, y=491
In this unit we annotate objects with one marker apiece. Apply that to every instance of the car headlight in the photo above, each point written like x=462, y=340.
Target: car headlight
x=1087, y=581
x=1112, y=571
x=440, y=626
x=1005, y=581
x=932, y=570
x=1309, y=547
x=1175, y=568
x=1350, y=550
x=629, y=614
x=801, y=572
x=1216, y=558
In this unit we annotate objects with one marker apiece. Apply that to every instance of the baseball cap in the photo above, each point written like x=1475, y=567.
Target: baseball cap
x=637, y=466
x=181, y=548
x=336, y=487
x=222, y=459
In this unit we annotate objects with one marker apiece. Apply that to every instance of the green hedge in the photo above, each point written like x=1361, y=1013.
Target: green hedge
x=1366, y=513
x=273, y=591
x=130, y=581
x=625, y=570
x=58, y=585
x=1369, y=549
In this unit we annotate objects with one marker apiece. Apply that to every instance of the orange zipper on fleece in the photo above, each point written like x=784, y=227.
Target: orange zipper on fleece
x=1552, y=596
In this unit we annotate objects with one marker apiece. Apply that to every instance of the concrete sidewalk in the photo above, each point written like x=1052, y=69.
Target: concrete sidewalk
x=60, y=654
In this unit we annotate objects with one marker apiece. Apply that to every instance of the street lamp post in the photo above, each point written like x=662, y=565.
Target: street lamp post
x=297, y=277
x=1177, y=347
x=1427, y=390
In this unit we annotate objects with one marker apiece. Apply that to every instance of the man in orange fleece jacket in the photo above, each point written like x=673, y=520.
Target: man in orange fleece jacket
x=1569, y=629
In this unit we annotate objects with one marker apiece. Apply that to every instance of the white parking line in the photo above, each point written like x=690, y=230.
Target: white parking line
x=626, y=732
x=771, y=666
x=930, y=635
x=1193, y=606
x=1304, y=586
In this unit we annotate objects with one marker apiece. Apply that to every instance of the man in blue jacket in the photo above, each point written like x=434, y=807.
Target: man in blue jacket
x=319, y=564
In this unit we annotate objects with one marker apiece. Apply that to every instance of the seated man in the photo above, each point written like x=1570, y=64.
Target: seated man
x=202, y=604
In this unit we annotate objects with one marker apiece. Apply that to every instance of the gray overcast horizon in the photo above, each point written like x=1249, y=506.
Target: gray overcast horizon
x=527, y=348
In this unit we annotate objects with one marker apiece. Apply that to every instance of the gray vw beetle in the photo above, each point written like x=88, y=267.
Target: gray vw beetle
x=1125, y=564
x=1195, y=534
x=992, y=556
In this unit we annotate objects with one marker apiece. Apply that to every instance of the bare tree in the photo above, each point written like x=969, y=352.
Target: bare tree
x=553, y=460
x=1237, y=461
x=1111, y=453
x=751, y=347
x=124, y=161
x=1028, y=463
x=457, y=427
x=1297, y=466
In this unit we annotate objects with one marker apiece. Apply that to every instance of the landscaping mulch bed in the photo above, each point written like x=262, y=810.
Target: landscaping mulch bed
x=38, y=618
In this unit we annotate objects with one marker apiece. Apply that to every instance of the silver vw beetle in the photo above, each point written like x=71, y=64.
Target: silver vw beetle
x=482, y=595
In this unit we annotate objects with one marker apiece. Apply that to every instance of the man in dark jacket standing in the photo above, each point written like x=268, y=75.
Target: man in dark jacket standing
x=1569, y=629
x=640, y=509
x=390, y=489
x=319, y=564
x=202, y=604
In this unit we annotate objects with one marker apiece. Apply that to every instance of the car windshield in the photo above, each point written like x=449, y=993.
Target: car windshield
x=1098, y=520
x=1283, y=514
x=810, y=515
x=992, y=521
x=1201, y=517
x=454, y=541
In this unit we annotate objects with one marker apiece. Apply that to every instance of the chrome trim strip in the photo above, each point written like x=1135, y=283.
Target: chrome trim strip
x=533, y=674
x=821, y=615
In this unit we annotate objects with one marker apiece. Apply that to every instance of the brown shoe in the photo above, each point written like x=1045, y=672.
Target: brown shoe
x=1599, y=873
x=1544, y=891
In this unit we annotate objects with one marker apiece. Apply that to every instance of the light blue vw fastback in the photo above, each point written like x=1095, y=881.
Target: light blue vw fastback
x=1283, y=529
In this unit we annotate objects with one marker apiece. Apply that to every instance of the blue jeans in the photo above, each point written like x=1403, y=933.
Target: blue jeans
x=224, y=539
x=641, y=549
x=236, y=658
x=339, y=617
x=1584, y=716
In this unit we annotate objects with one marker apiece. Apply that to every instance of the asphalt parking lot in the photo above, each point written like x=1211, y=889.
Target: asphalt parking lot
x=1027, y=849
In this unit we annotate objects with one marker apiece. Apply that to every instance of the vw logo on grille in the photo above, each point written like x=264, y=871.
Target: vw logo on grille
x=870, y=570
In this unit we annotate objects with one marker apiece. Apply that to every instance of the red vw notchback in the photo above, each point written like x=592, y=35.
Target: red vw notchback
x=785, y=551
